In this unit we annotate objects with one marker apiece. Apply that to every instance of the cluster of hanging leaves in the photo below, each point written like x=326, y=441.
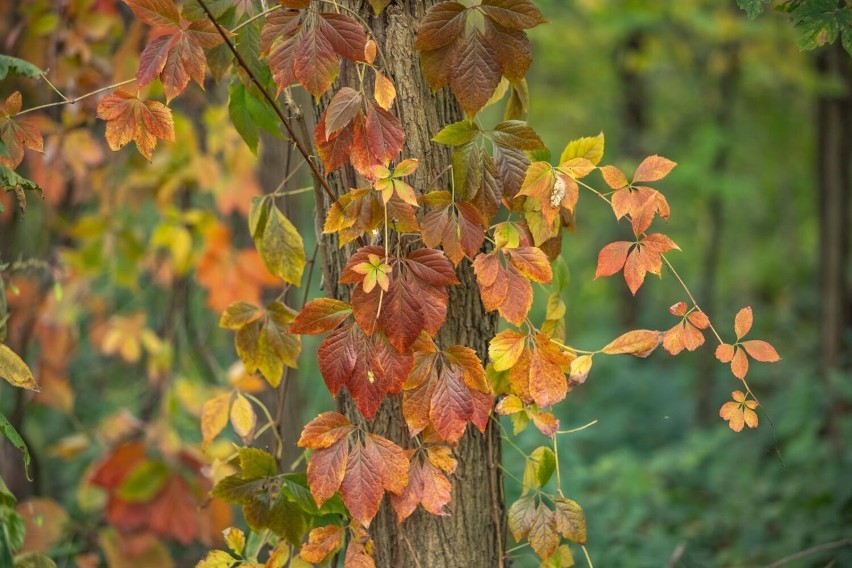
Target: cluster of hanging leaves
x=381, y=342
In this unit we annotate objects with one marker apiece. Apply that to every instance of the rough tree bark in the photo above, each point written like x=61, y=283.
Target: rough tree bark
x=474, y=532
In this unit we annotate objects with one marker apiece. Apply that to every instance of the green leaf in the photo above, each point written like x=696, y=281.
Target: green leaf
x=284, y=518
x=15, y=371
x=457, y=133
x=296, y=489
x=7, y=500
x=820, y=22
x=517, y=134
x=279, y=243
x=257, y=464
x=235, y=489
x=752, y=7
x=539, y=468
x=9, y=431
x=17, y=67
x=144, y=482
x=11, y=180
x=240, y=115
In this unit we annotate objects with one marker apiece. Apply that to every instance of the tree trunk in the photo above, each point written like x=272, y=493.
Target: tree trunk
x=834, y=130
x=473, y=533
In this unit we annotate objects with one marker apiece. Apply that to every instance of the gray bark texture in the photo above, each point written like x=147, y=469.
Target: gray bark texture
x=473, y=534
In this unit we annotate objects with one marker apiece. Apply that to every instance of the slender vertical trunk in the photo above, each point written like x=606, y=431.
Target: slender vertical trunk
x=726, y=94
x=633, y=124
x=834, y=131
x=473, y=534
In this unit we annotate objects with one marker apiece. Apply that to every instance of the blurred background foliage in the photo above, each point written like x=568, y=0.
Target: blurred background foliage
x=118, y=277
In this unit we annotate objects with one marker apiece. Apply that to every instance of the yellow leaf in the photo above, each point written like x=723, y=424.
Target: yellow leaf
x=243, y=418
x=590, y=148
x=15, y=371
x=214, y=417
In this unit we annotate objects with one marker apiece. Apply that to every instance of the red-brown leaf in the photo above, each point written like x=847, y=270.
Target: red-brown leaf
x=441, y=25
x=326, y=470
x=320, y=315
x=475, y=73
x=362, y=484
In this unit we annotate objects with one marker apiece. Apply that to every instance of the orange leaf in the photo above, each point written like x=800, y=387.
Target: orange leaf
x=639, y=343
x=385, y=92
x=322, y=541
x=761, y=351
x=326, y=429
x=130, y=118
x=725, y=352
x=739, y=364
x=653, y=168
x=743, y=321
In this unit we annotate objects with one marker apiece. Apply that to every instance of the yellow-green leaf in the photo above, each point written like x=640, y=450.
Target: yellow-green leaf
x=280, y=244
x=15, y=371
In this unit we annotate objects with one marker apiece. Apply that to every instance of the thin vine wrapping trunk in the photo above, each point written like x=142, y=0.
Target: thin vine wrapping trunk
x=473, y=534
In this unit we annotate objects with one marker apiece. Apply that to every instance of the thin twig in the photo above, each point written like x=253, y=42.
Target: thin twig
x=281, y=116
x=77, y=99
x=255, y=17
x=809, y=551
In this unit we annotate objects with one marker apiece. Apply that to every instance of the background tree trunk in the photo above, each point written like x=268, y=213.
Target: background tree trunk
x=473, y=534
x=834, y=130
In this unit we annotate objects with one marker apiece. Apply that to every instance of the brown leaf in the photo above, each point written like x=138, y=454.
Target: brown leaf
x=322, y=541
x=476, y=72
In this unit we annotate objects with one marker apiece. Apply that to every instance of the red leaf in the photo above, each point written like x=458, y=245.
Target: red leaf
x=315, y=62
x=345, y=34
x=178, y=56
x=326, y=470
x=362, y=484
x=427, y=485
x=335, y=151
x=432, y=267
x=402, y=316
x=338, y=356
x=384, y=134
x=393, y=461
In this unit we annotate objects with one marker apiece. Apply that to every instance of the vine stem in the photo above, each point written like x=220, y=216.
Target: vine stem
x=588, y=558
x=300, y=146
x=67, y=101
x=666, y=260
x=255, y=17
x=279, y=442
